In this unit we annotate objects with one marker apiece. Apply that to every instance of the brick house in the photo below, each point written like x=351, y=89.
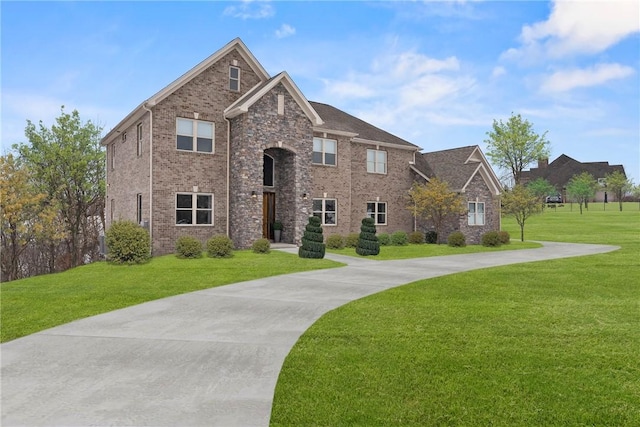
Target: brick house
x=560, y=171
x=228, y=149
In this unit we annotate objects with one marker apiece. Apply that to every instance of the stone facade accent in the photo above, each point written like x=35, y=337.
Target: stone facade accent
x=477, y=191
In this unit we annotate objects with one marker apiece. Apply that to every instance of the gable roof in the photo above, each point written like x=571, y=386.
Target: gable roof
x=560, y=171
x=458, y=167
x=337, y=121
x=138, y=112
x=243, y=104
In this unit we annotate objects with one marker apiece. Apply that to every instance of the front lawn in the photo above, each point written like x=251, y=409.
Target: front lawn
x=37, y=303
x=551, y=343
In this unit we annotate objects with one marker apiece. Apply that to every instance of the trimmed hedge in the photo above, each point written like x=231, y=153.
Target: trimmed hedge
x=384, y=239
x=351, y=240
x=416, y=238
x=504, y=237
x=399, y=238
x=220, y=247
x=312, y=240
x=127, y=243
x=335, y=241
x=491, y=239
x=457, y=239
x=368, y=241
x=261, y=246
x=188, y=247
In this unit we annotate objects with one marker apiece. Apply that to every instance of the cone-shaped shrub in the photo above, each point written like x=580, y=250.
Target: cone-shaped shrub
x=368, y=241
x=312, y=240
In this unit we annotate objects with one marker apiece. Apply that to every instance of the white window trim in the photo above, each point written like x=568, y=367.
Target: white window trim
x=194, y=144
x=113, y=156
x=139, y=139
x=194, y=209
x=376, y=212
x=234, y=79
x=324, y=211
x=475, y=214
x=376, y=163
x=322, y=141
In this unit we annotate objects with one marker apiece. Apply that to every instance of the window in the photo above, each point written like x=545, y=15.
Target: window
x=267, y=171
x=194, y=135
x=476, y=213
x=113, y=156
x=234, y=78
x=139, y=208
x=377, y=211
x=139, y=139
x=194, y=209
x=324, y=151
x=325, y=209
x=123, y=137
x=376, y=161
x=112, y=211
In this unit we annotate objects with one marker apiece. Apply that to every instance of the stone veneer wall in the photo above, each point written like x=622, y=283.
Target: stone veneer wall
x=477, y=191
x=252, y=133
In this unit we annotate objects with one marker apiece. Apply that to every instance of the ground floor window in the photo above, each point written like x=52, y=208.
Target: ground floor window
x=139, y=208
x=476, y=213
x=377, y=211
x=194, y=209
x=326, y=210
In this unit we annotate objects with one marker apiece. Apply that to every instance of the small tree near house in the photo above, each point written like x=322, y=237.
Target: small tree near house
x=619, y=185
x=368, y=242
x=312, y=240
x=582, y=188
x=435, y=202
x=521, y=203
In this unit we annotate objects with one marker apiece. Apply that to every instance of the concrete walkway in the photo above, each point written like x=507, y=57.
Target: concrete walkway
x=207, y=358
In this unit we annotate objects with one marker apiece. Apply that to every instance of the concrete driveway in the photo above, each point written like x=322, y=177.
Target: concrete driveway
x=207, y=358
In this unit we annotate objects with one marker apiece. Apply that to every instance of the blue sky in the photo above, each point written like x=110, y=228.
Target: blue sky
x=434, y=73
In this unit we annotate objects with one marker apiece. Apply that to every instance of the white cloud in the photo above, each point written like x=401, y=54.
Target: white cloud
x=578, y=27
x=565, y=80
x=348, y=89
x=285, y=30
x=498, y=71
x=249, y=9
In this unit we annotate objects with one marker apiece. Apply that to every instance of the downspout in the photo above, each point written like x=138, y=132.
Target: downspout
x=228, y=172
x=144, y=105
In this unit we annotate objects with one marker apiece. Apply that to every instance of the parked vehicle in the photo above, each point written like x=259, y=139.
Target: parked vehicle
x=553, y=199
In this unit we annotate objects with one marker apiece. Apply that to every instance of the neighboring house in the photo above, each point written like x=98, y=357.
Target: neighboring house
x=228, y=149
x=560, y=171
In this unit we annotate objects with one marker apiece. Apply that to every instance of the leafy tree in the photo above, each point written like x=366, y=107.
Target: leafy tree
x=582, y=188
x=514, y=145
x=435, y=201
x=27, y=217
x=618, y=184
x=541, y=188
x=635, y=190
x=521, y=203
x=67, y=163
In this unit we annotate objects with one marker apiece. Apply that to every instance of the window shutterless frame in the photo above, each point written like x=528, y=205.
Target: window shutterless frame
x=195, y=135
x=476, y=213
x=376, y=161
x=194, y=209
x=326, y=210
x=325, y=151
x=377, y=211
x=234, y=78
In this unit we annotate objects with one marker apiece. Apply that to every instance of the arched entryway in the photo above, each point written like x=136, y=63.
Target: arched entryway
x=278, y=195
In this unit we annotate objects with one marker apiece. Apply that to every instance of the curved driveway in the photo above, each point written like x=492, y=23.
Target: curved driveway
x=207, y=358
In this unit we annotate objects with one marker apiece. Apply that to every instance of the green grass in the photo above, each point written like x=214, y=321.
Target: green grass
x=425, y=250
x=37, y=303
x=552, y=343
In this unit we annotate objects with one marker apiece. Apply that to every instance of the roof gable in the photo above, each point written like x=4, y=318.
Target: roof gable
x=243, y=104
x=560, y=171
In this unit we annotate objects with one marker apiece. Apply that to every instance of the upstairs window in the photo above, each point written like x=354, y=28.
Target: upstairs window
x=324, y=151
x=139, y=139
x=376, y=161
x=325, y=209
x=476, y=213
x=194, y=135
x=234, y=78
x=377, y=211
x=194, y=209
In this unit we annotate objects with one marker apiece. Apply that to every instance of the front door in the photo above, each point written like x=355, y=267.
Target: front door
x=268, y=214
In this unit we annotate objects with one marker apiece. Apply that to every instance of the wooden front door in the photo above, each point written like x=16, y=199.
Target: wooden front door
x=268, y=214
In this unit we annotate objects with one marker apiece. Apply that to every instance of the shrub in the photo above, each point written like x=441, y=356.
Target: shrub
x=491, y=239
x=220, y=247
x=312, y=240
x=188, y=247
x=335, y=241
x=352, y=240
x=384, y=239
x=416, y=238
x=261, y=246
x=431, y=237
x=504, y=237
x=399, y=238
x=456, y=239
x=127, y=243
x=368, y=241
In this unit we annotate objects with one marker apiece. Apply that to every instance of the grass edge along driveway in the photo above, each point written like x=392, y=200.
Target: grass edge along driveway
x=549, y=343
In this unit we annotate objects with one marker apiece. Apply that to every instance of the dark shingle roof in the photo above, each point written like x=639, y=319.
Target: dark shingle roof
x=335, y=119
x=449, y=165
x=560, y=171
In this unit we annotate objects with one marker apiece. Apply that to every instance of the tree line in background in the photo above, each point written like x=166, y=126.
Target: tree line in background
x=52, y=198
